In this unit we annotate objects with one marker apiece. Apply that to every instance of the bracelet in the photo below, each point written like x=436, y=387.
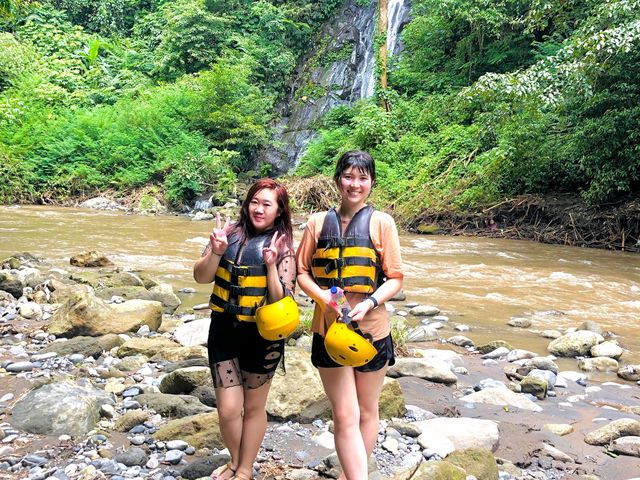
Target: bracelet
x=373, y=300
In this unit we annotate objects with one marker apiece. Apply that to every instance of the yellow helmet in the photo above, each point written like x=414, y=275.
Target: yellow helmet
x=347, y=347
x=278, y=320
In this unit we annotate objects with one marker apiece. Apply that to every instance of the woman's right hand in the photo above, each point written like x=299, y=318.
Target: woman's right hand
x=218, y=237
x=326, y=303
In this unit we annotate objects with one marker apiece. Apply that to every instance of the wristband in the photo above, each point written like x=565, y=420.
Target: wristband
x=373, y=300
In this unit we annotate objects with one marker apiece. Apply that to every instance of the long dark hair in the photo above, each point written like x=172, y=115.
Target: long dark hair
x=244, y=228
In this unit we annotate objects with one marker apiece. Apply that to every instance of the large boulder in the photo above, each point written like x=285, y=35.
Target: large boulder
x=491, y=346
x=432, y=369
x=202, y=430
x=159, y=348
x=477, y=462
x=629, y=372
x=501, y=396
x=61, y=292
x=444, y=435
x=607, y=349
x=534, y=385
x=162, y=293
x=91, y=259
x=287, y=400
x=87, y=346
x=193, y=333
x=627, y=446
x=185, y=380
x=60, y=408
x=623, y=427
x=575, y=344
x=10, y=283
x=438, y=470
x=391, y=403
x=173, y=406
x=601, y=364
x=85, y=314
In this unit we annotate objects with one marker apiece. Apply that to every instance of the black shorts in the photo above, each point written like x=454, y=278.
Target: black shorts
x=231, y=339
x=321, y=359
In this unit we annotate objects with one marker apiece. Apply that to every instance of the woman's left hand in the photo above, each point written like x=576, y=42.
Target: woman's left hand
x=270, y=253
x=358, y=312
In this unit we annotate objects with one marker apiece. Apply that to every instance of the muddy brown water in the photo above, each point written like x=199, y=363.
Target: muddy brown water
x=479, y=282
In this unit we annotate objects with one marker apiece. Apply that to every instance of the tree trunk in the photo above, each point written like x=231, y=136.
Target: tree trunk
x=383, y=23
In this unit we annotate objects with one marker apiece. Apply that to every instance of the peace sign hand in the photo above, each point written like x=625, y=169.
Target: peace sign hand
x=270, y=253
x=218, y=237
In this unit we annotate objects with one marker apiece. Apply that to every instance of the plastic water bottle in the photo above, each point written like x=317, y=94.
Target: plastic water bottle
x=340, y=301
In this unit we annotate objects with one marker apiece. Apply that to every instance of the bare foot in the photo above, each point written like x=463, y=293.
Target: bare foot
x=223, y=472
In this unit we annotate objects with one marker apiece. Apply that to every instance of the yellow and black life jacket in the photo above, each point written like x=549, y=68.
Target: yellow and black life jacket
x=241, y=279
x=349, y=261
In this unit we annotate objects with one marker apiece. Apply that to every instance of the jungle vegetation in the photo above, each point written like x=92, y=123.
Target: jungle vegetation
x=490, y=99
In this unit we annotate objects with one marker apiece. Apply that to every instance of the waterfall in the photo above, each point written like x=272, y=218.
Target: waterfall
x=342, y=81
x=396, y=18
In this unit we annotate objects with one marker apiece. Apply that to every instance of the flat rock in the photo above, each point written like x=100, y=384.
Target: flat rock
x=432, y=369
x=444, y=435
x=501, y=396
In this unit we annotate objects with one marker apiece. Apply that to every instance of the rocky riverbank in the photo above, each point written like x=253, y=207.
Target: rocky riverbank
x=104, y=377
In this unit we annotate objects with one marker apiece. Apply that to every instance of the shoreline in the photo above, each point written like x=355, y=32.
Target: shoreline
x=563, y=219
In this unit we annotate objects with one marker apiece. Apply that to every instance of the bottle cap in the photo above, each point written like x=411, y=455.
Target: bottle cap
x=334, y=290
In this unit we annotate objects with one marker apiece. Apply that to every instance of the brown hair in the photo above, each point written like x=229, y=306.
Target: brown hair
x=244, y=228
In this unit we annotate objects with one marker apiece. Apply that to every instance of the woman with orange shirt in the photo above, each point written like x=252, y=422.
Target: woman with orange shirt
x=357, y=249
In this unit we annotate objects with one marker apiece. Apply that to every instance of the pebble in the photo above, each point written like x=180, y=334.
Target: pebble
x=137, y=440
x=20, y=367
x=173, y=456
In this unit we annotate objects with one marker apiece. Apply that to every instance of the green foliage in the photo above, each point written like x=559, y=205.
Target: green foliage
x=230, y=111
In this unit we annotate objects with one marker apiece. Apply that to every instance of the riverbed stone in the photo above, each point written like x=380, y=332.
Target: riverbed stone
x=520, y=354
x=627, y=446
x=609, y=348
x=86, y=346
x=560, y=429
x=30, y=310
x=422, y=333
x=431, y=369
x=575, y=344
x=444, y=435
x=202, y=430
x=159, y=348
x=10, y=283
x=601, y=364
x=91, y=258
x=173, y=406
x=438, y=470
x=132, y=456
x=460, y=341
x=534, y=385
x=287, y=401
x=391, y=404
x=193, y=333
x=85, y=314
x=60, y=408
x=162, y=293
x=130, y=419
x=519, y=322
x=629, y=372
x=424, y=311
x=590, y=326
x=536, y=363
x=553, y=334
x=491, y=346
x=475, y=461
x=501, y=396
x=622, y=427
x=185, y=380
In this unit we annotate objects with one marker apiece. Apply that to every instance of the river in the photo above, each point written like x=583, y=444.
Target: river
x=480, y=282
